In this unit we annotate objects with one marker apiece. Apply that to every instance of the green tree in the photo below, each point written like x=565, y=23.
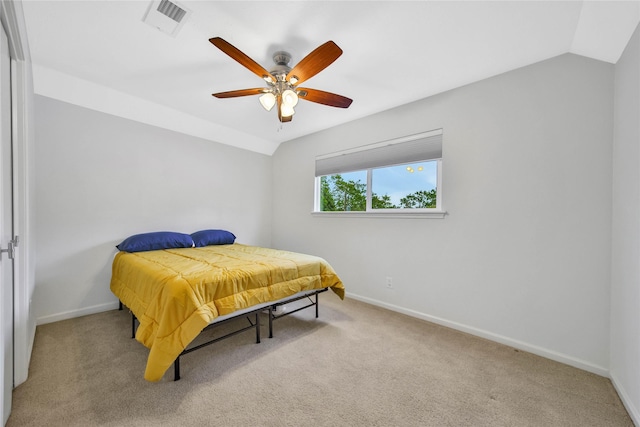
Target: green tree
x=327, y=204
x=383, y=202
x=349, y=195
x=419, y=199
x=336, y=194
x=340, y=195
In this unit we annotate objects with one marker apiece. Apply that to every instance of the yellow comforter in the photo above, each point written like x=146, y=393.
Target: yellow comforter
x=175, y=293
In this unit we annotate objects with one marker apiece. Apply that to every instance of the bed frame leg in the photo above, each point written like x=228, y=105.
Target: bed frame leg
x=270, y=321
x=176, y=369
x=257, y=327
x=120, y=305
x=133, y=326
x=317, y=306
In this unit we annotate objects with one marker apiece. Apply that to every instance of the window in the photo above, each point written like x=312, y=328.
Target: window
x=396, y=177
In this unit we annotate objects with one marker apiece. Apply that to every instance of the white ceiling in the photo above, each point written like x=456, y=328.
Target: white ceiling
x=99, y=54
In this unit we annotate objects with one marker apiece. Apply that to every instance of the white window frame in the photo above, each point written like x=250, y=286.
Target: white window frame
x=437, y=212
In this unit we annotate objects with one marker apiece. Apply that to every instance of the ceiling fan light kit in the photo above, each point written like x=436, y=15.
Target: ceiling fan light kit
x=268, y=100
x=282, y=80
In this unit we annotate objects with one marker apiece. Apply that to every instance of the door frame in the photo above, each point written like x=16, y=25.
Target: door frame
x=12, y=17
x=6, y=227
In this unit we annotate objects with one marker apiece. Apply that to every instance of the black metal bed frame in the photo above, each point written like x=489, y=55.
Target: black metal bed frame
x=252, y=323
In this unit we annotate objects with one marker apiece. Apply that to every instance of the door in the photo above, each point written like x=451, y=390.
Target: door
x=6, y=226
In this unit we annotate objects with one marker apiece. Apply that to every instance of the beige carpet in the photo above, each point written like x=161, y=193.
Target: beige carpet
x=357, y=365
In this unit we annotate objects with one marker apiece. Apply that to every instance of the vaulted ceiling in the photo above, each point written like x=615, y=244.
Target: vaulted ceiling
x=101, y=55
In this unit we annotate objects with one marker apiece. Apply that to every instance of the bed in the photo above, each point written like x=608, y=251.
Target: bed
x=176, y=292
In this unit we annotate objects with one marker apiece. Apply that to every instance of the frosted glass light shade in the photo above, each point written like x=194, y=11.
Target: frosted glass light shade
x=289, y=98
x=268, y=100
x=286, y=110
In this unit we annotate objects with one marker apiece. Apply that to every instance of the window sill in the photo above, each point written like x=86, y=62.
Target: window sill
x=384, y=214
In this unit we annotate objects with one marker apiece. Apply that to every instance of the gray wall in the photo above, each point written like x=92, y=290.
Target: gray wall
x=101, y=178
x=523, y=257
x=625, y=283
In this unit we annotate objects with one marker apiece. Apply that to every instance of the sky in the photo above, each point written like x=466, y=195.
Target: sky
x=397, y=181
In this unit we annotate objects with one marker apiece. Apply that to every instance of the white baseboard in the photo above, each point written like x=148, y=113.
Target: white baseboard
x=626, y=401
x=549, y=354
x=76, y=313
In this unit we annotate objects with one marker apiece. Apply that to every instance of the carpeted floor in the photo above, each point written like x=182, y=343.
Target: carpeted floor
x=357, y=365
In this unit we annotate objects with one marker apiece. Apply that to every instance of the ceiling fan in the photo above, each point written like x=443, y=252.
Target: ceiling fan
x=282, y=81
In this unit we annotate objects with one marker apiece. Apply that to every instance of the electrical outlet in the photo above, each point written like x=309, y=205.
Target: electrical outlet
x=389, y=283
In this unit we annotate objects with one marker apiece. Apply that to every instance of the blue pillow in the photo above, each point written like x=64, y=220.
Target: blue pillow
x=212, y=237
x=155, y=241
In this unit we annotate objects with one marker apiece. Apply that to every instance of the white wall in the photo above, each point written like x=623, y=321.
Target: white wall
x=101, y=178
x=524, y=255
x=625, y=286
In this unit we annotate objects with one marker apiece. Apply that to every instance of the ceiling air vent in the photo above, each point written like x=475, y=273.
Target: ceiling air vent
x=167, y=16
x=171, y=10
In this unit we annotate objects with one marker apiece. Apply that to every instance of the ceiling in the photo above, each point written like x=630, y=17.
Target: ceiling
x=101, y=55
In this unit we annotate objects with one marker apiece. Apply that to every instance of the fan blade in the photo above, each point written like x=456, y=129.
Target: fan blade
x=243, y=59
x=313, y=63
x=241, y=92
x=322, y=97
